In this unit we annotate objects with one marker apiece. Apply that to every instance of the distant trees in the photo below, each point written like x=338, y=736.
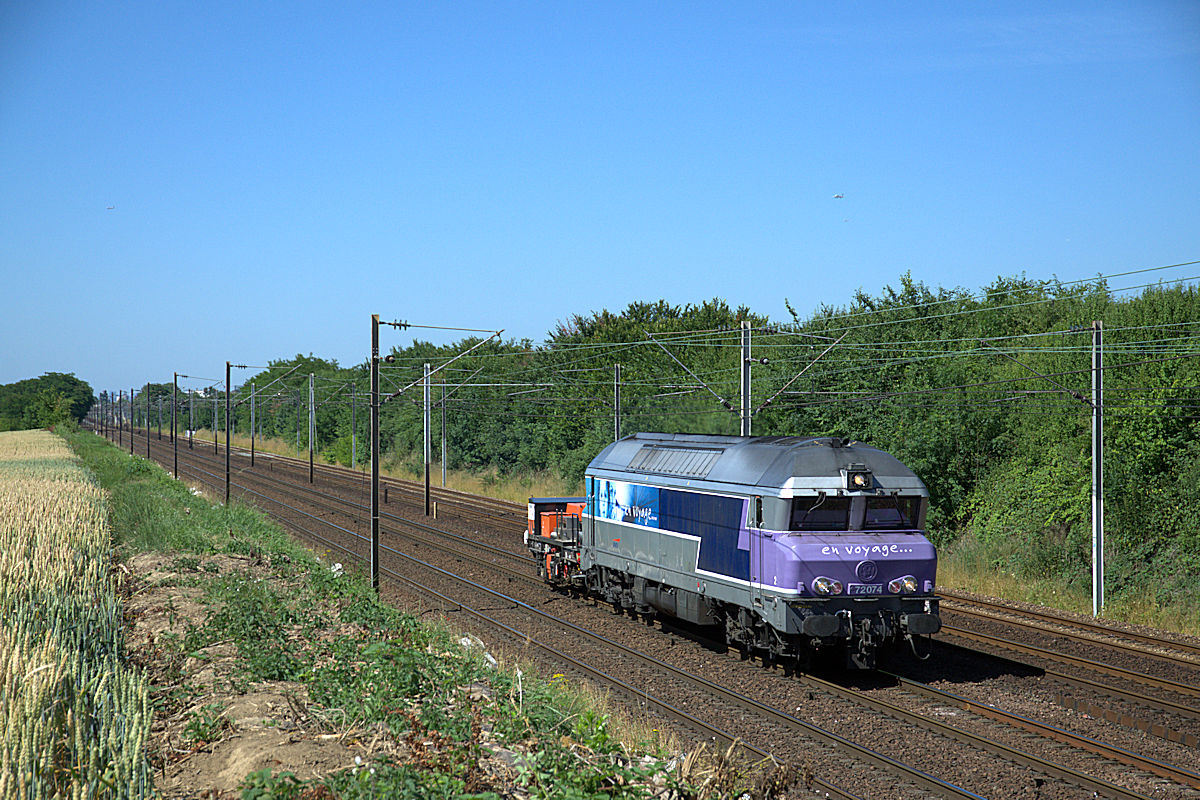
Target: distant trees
x=40, y=402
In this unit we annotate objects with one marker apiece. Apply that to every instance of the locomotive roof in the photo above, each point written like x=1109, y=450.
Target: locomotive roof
x=769, y=462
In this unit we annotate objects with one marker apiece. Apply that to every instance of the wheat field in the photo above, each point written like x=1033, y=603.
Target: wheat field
x=74, y=717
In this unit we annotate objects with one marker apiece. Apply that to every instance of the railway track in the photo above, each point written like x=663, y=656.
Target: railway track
x=638, y=694
x=1131, y=677
x=352, y=479
x=1173, y=650
x=466, y=548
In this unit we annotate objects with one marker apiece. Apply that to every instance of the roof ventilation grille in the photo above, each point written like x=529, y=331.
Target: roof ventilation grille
x=686, y=462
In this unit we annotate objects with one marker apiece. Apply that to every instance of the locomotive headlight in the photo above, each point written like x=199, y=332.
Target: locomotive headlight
x=826, y=586
x=858, y=478
x=906, y=585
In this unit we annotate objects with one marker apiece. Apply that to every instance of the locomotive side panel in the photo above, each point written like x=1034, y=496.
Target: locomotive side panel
x=687, y=540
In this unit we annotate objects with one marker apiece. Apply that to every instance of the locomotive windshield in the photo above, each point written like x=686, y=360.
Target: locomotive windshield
x=892, y=513
x=820, y=513
x=878, y=513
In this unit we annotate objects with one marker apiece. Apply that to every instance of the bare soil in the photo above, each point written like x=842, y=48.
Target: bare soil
x=261, y=725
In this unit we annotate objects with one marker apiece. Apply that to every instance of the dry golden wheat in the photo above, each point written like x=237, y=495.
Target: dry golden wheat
x=74, y=719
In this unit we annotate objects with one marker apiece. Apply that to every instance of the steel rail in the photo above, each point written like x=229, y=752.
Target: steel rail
x=1179, y=659
x=305, y=492
x=1065, y=658
x=1062, y=619
x=1097, y=785
x=1180, y=775
x=502, y=508
x=1157, y=704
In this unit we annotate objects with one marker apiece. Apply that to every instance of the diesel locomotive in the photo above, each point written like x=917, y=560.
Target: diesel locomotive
x=790, y=545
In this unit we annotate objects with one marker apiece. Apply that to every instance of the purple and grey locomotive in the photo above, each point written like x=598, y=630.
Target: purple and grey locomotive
x=790, y=544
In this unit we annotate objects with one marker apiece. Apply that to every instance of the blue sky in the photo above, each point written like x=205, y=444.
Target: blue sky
x=280, y=171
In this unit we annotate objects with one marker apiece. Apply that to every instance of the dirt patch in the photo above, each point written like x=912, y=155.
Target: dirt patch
x=212, y=729
x=219, y=769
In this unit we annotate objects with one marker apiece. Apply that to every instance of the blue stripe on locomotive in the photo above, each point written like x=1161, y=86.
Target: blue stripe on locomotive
x=715, y=520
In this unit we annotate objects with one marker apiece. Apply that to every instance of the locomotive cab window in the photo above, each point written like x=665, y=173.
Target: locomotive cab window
x=892, y=513
x=820, y=513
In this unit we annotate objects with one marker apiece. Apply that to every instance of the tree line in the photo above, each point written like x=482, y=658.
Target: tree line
x=985, y=394
x=51, y=399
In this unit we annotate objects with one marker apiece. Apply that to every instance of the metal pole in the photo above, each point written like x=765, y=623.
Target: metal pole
x=616, y=402
x=252, y=389
x=131, y=421
x=228, y=449
x=120, y=418
x=191, y=419
x=147, y=419
x=216, y=449
x=443, y=431
x=312, y=424
x=745, y=410
x=174, y=438
x=428, y=448
x=353, y=429
x=375, y=452
x=160, y=417
x=1097, y=469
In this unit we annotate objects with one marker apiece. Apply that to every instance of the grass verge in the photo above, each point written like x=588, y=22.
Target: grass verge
x=974, y=566
x=250, y=619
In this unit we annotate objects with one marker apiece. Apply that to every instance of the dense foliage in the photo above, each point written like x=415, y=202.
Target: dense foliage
x=988, y=398
x=41, y=402
x=986, y=395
